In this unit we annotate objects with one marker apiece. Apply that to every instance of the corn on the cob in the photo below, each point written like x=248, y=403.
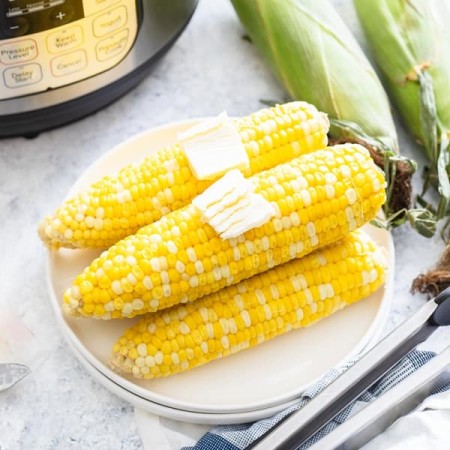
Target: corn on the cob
x=117, y=206
x=413, y=55
x=415, y=40
x=316, y=58
x=319, y=198
x=290, y=296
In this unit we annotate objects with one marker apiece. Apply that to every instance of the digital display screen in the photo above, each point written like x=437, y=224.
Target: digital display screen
x=24, y=17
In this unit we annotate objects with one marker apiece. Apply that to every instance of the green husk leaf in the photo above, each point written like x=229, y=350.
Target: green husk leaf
x=415, y=38
x=428, y=118
x=423, y=221
x=413, y=54
x=436, y=149
x=443, y=181
x=346, y=128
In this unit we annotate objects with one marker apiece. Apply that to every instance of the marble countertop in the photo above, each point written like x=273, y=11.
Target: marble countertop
x=60, y=406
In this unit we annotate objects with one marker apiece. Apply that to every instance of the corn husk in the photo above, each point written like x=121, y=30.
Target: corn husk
x=316, y=58
x=410, y=40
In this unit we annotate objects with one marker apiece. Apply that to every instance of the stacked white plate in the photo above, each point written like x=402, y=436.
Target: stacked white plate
x=253, y=384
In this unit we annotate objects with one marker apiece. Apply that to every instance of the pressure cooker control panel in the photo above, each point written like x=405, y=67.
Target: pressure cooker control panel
x=52, y=43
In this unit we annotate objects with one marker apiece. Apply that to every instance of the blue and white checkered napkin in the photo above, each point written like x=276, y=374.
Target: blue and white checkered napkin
x=239, y=437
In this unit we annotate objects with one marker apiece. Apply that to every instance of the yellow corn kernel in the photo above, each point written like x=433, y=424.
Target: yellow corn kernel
x=225, y=329
x=118, y=205
x=281, y=241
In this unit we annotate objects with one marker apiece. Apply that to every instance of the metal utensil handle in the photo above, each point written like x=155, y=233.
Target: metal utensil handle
x=384, y=410
x=301, y=425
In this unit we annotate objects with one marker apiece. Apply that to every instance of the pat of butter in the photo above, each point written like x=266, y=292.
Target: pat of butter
x=213, y=147
x=231, y=207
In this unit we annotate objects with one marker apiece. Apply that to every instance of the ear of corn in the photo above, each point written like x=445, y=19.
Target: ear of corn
x=293, y=295
x=117, y=206
x=410, y=41
x=415, y=39
x=316, y=59
x=319, y=198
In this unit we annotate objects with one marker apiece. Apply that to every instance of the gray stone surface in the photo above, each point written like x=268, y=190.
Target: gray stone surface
x=210, y=69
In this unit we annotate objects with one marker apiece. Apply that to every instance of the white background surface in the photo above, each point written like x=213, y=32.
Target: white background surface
x=210, y=69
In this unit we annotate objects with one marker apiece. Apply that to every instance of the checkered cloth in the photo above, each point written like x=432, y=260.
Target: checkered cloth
x=239, y=437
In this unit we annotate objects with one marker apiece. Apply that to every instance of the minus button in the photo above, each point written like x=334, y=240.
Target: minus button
x=16, y=27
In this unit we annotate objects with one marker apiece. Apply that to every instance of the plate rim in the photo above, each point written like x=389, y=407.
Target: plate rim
x=370, y=337
x=215, y=418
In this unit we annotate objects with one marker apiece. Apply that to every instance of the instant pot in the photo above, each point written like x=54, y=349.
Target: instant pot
x=63, y=59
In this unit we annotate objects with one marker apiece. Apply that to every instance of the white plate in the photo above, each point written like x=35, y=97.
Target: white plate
x=174, y=413
x=259, y=378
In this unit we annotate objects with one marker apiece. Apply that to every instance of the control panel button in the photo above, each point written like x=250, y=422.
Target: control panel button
x=16, y=77
x=94, y=6
x=15, y=27
x=60, y=15
x=110, y=21
x=18, y=52
x=65, y=39
x=112, y=45
x=69, y=63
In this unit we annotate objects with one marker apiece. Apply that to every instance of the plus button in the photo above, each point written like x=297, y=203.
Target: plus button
x=60, y=16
